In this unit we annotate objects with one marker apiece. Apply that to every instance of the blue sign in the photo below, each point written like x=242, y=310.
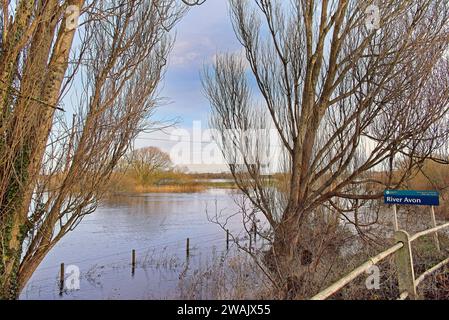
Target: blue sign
x=412, y=197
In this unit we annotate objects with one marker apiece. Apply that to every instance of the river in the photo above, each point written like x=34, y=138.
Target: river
x=156, y=226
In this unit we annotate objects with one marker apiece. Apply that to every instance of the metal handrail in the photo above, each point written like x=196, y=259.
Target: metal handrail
x=428, y=231
x=329, y=291
x=356, y=272
x=403, y=295
x=428, y=272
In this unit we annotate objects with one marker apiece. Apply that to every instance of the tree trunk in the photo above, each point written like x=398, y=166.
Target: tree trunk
x=291, y=254
x=27, y=161
x=285, y=258
x=14, y=231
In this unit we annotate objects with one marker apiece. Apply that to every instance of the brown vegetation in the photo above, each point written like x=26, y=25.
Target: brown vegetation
x=158, y=182
x=344, y=100
x=150, y=170
x=53, y=166
x=433, y=176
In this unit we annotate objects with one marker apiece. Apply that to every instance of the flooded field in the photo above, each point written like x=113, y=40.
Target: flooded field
x=156, y=226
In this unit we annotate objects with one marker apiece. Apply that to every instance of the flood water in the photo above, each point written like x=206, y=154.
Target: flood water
x=156, y=226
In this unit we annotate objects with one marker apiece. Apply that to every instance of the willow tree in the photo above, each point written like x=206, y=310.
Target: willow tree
x=146, y=162
x=55, y=160
x=345, y=96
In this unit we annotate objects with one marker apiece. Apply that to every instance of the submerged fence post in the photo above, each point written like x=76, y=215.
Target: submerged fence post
x=133, y=262
x=404, y=265
x=227, y=239
x=61, y=279
x=188, y=248
x=434, y=225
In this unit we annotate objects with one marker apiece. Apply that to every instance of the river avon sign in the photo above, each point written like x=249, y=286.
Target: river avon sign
x=412, y=197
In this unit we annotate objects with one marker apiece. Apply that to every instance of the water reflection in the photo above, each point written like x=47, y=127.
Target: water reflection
x=156, y=226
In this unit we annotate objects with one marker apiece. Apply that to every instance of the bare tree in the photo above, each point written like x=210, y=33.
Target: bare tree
x=148, y=161
x=344, y=99
x=53, y=166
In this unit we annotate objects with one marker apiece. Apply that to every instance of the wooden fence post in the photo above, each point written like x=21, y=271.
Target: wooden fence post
x=227, y=239
x=61, y=279
x=434, y=225
x=188, y=248
x=404, y=265
x=133, y=262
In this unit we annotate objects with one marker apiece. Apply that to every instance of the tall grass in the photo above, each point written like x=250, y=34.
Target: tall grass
x=433, y=176
x=170, y=181
x=188, y=188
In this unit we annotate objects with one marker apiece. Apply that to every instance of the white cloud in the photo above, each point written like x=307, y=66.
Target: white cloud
x=191, y=53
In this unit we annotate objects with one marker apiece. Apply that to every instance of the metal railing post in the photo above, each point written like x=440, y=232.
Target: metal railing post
x=395, y=219
x=404, y=265
x=434, y=225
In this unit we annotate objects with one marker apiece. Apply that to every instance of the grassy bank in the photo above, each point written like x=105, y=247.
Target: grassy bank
x=170, y=189
x=167, y=182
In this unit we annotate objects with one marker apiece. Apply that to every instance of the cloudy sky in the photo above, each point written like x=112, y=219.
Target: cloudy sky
x=204, y=31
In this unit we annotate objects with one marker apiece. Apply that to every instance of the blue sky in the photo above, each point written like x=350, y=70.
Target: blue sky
x=205, y=31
